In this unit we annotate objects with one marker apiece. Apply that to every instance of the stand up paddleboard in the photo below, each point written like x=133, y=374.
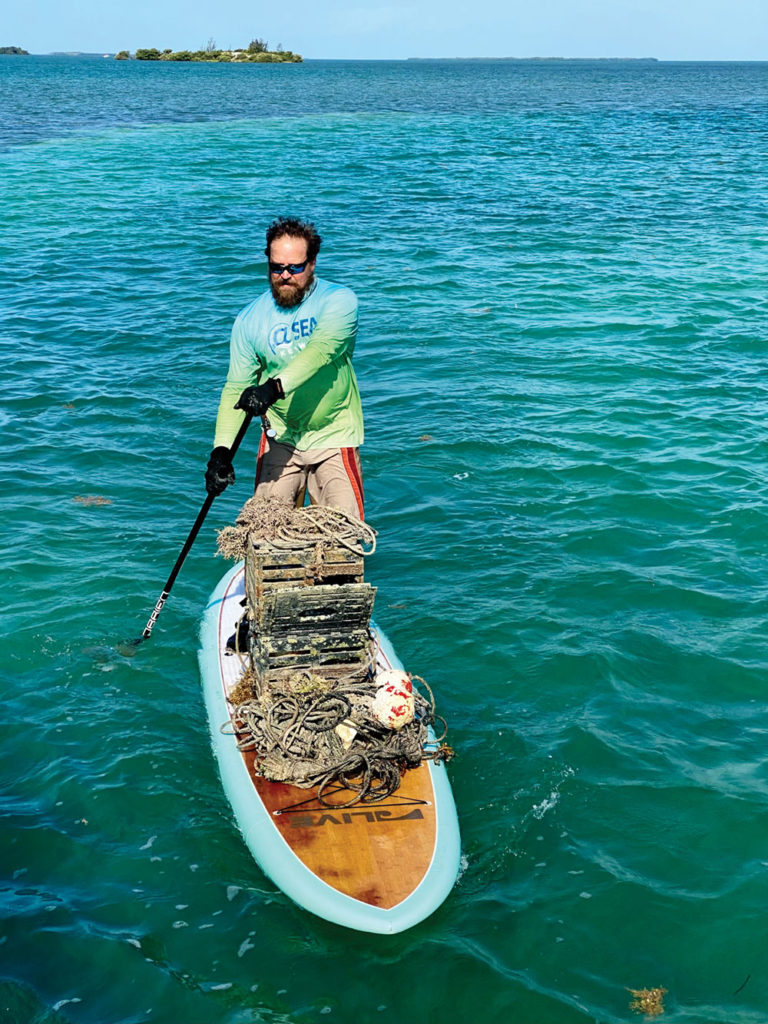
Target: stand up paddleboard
x=377, y=867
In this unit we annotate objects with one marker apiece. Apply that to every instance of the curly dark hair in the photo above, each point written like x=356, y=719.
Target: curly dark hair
x=296, y=229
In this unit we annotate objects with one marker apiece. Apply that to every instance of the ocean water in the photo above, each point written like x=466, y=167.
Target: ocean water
x=563, y=359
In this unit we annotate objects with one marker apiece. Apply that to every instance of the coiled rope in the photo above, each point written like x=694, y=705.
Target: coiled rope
x=289, y=528
x=296, y=740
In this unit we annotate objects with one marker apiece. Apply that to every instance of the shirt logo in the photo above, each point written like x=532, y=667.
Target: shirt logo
x=287, y=334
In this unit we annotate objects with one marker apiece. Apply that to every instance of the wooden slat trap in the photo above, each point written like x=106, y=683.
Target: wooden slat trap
x=309, y=610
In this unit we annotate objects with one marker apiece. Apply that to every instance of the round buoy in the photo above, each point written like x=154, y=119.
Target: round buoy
x=393, y=705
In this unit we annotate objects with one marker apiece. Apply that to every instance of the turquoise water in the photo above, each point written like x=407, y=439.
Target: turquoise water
x=563, y=355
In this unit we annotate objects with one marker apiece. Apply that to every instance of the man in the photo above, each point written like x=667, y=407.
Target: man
x=291, y=355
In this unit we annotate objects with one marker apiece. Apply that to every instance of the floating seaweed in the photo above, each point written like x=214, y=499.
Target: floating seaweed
x=649, y=1001
x=92, y=499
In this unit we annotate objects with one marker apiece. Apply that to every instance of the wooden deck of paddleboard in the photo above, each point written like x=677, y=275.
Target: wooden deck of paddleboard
x=376, y=852
x=378, y=867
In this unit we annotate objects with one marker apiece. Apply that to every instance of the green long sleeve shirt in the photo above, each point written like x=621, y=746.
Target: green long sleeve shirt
x=309, y=347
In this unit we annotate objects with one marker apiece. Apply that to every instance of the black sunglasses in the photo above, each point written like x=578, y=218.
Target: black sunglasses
x=292, y=268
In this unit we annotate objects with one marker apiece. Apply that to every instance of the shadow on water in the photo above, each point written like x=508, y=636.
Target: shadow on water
x=107, y=654
x=20, y=1004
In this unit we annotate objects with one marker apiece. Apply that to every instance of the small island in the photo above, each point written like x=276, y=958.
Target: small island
x=257, y=52
x=15, y=50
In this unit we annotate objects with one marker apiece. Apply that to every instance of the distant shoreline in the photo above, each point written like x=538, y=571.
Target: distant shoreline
x=211, y=56
x=613, y=60
x=17, y=52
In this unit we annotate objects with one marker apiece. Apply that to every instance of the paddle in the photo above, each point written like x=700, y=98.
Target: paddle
x=188, y=543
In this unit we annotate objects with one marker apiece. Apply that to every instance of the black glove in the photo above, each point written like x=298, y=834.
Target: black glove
x=220, y=472
x=258, y=397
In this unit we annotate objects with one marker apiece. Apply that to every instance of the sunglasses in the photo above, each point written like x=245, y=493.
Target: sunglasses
x=292, y=268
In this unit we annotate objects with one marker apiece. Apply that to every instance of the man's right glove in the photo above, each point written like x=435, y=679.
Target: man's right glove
x=258, y=397
x=220, y=472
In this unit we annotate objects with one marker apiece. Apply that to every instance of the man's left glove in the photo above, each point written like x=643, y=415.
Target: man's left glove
x=220, y=472
x=258, y=397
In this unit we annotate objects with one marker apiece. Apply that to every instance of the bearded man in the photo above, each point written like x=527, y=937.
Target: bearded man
x=291, y=357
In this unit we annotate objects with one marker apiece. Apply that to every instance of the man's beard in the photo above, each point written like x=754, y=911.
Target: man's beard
x=287, y=294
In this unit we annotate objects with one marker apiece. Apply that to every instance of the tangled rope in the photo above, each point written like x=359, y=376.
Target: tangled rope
x=289, y=528
x=316, y=523
x=297, y=740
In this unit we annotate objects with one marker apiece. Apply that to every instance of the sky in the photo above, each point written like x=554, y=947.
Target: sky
x=353, y=29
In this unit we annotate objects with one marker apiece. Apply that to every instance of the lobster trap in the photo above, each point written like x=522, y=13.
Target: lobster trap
x=309, y=610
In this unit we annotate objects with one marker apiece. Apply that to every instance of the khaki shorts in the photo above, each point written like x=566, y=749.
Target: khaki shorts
x=331, y=476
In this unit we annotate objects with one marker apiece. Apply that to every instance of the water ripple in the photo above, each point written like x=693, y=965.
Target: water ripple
x=562, y=358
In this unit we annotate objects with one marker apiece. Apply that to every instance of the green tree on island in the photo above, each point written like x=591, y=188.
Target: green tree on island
x=257, y=52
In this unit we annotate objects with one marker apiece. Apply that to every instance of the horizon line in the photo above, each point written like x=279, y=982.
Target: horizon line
x=554, y=57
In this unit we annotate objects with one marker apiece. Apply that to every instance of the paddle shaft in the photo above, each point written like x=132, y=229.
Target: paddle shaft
x=190, y=539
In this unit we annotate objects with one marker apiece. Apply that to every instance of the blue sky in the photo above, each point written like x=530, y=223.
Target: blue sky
x=667, y=29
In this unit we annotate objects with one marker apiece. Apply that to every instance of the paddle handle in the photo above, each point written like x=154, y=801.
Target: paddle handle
x=191, y=538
